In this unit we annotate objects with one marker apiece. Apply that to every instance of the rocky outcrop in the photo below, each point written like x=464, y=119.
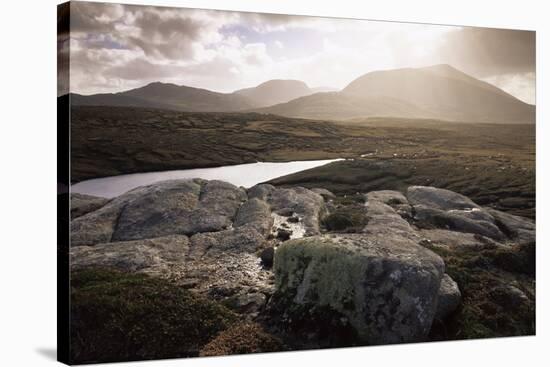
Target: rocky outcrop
x=204, y=235
x=83, y=204
x=150, y=255
x=446, y=209
x=179, y=207
x=440, y=199
x=263, y=249
x=387, y=287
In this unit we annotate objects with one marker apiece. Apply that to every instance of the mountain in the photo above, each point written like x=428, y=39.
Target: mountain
x=438, y=92
x=169, y=96
x=275, y=91
x=323, y=89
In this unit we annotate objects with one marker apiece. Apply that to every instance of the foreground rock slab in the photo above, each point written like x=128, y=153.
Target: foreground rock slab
x=83, y=204
x=386, y=288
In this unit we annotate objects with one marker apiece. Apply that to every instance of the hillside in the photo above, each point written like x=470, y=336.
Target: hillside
x=275, y=91
x=168, y=96
x=439, y=92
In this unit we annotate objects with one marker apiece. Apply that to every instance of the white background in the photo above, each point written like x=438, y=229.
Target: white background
x=27, y=202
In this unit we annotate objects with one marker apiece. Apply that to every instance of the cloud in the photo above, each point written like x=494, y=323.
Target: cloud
x=117, y=47
x=520, y=85
x=486, y=52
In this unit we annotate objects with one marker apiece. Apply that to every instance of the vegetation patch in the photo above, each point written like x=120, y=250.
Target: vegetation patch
x=498, y=292
x=117, y=316
x=242, y=338
x=348, y=216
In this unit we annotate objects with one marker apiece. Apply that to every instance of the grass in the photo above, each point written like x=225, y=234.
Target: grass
x=492, y=164
x=117, y=316
x=349, y=219
x=242, y=338
x=487, y=311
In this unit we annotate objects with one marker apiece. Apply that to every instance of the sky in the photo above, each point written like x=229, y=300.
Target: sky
x=119, y=47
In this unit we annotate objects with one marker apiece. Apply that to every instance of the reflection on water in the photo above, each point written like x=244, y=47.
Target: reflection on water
x=246, y=175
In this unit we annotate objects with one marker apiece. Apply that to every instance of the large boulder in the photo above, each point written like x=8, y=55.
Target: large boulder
x=386, y=286
x=99, y=226
x=179, y=207
x=440, y=208
x=437, y=198
x=160, y=209
x=458, y=220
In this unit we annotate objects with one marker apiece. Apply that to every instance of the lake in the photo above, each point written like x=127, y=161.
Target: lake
x=246, y=175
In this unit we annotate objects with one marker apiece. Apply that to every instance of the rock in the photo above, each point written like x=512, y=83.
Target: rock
x=306, y=204
x=389, y=197
x=383, y=219
x=239, y=240
x=149, y=255
x=459, y=240
x=449, y=297
x=518, y=228
x=326, y=194
x=160, y=210
x=395, y=199
x=222, y=275
x=221, y=198
x=248, y=303
x=262, y=191
x=267, y=256
x=97, y=226
x=83, y=204
x=283, y=234
x=436, y=198
x=387, y=287
x=293, y=219
x=458, y=220
x=255, y=213
x=179, y=207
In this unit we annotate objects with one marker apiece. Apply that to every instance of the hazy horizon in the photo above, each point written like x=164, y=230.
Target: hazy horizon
x=119, y=47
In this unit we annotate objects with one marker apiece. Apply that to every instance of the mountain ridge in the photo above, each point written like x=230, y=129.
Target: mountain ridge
x=434, y=92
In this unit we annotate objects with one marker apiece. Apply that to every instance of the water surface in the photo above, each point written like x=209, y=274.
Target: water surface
x=246, y=175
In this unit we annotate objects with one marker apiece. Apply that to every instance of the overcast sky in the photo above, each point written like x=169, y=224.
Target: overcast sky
x=119, y=47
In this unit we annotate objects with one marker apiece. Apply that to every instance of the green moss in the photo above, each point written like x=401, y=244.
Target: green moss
x=117, y=316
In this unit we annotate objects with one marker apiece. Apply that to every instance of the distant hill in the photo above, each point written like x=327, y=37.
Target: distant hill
x=323, y=89
x=439, y=92
x=168, y=96
x=275, y=91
